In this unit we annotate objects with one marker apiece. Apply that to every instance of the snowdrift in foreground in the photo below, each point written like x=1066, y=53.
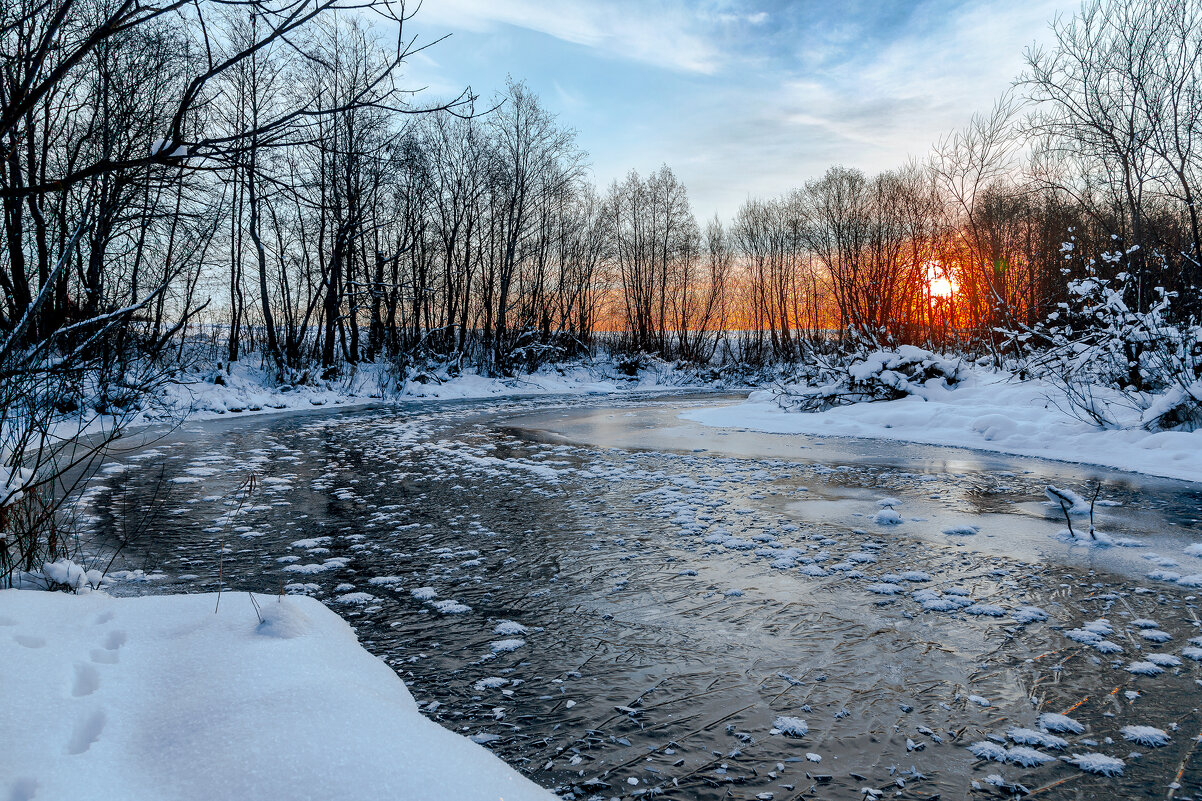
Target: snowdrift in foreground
x=158, y=697
x=985, y=412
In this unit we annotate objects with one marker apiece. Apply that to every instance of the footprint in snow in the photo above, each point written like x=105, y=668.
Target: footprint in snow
x=23, y=789
x=87, y=680
x=87, y=732
x=104, y=656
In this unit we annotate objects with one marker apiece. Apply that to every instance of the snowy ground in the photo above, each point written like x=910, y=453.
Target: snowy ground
x=160, y=698
x=246, y=389
x=986, y=412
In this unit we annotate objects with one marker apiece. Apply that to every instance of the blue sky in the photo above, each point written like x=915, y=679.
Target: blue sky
x=738, y=98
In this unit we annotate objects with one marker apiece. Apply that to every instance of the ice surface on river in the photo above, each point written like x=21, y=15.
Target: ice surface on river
x=671, y=605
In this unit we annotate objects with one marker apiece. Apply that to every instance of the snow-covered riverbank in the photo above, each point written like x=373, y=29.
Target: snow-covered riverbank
x=247, y=389
x=987, y=412
x=159, y=697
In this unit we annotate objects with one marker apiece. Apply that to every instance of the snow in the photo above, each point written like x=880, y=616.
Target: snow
x=932, y=601
x=508, y=628
x=355, y=598
x=1066, y=499
x=449, y=607
x=247, y=388
x=1145, y=735
x=1024, y=736
x=160, y=697
x=490, y=683
x=70, y=574
x=1097, y=763
x=983, y=749
x=1100, y=626
x=986, y=411
x=1145, y=668
x=887, y=517
x=506, y=646
x=1029, y=614
x=1050, y=721
x=1083, y=635
x=987, y=610
x=792, y=727
x=314, y=567
x=1027, y=757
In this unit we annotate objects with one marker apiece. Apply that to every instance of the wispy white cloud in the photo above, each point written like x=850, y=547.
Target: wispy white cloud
x=865, y=98
x=662, y=35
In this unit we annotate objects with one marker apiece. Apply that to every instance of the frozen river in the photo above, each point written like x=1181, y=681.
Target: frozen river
x=624, y=604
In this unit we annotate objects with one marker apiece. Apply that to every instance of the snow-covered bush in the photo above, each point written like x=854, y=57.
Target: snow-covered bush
x=68, y=575
x=869, y=375
x=1115, y=365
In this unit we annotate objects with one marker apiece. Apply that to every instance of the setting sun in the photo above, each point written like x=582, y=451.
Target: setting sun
x=938, y=282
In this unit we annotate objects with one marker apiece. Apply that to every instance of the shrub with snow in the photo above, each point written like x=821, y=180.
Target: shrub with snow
x=70, y=575
x=1116, y=365
x=869, y=375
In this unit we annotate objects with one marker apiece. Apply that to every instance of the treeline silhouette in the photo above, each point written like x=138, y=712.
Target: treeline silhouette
x=259, y=167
